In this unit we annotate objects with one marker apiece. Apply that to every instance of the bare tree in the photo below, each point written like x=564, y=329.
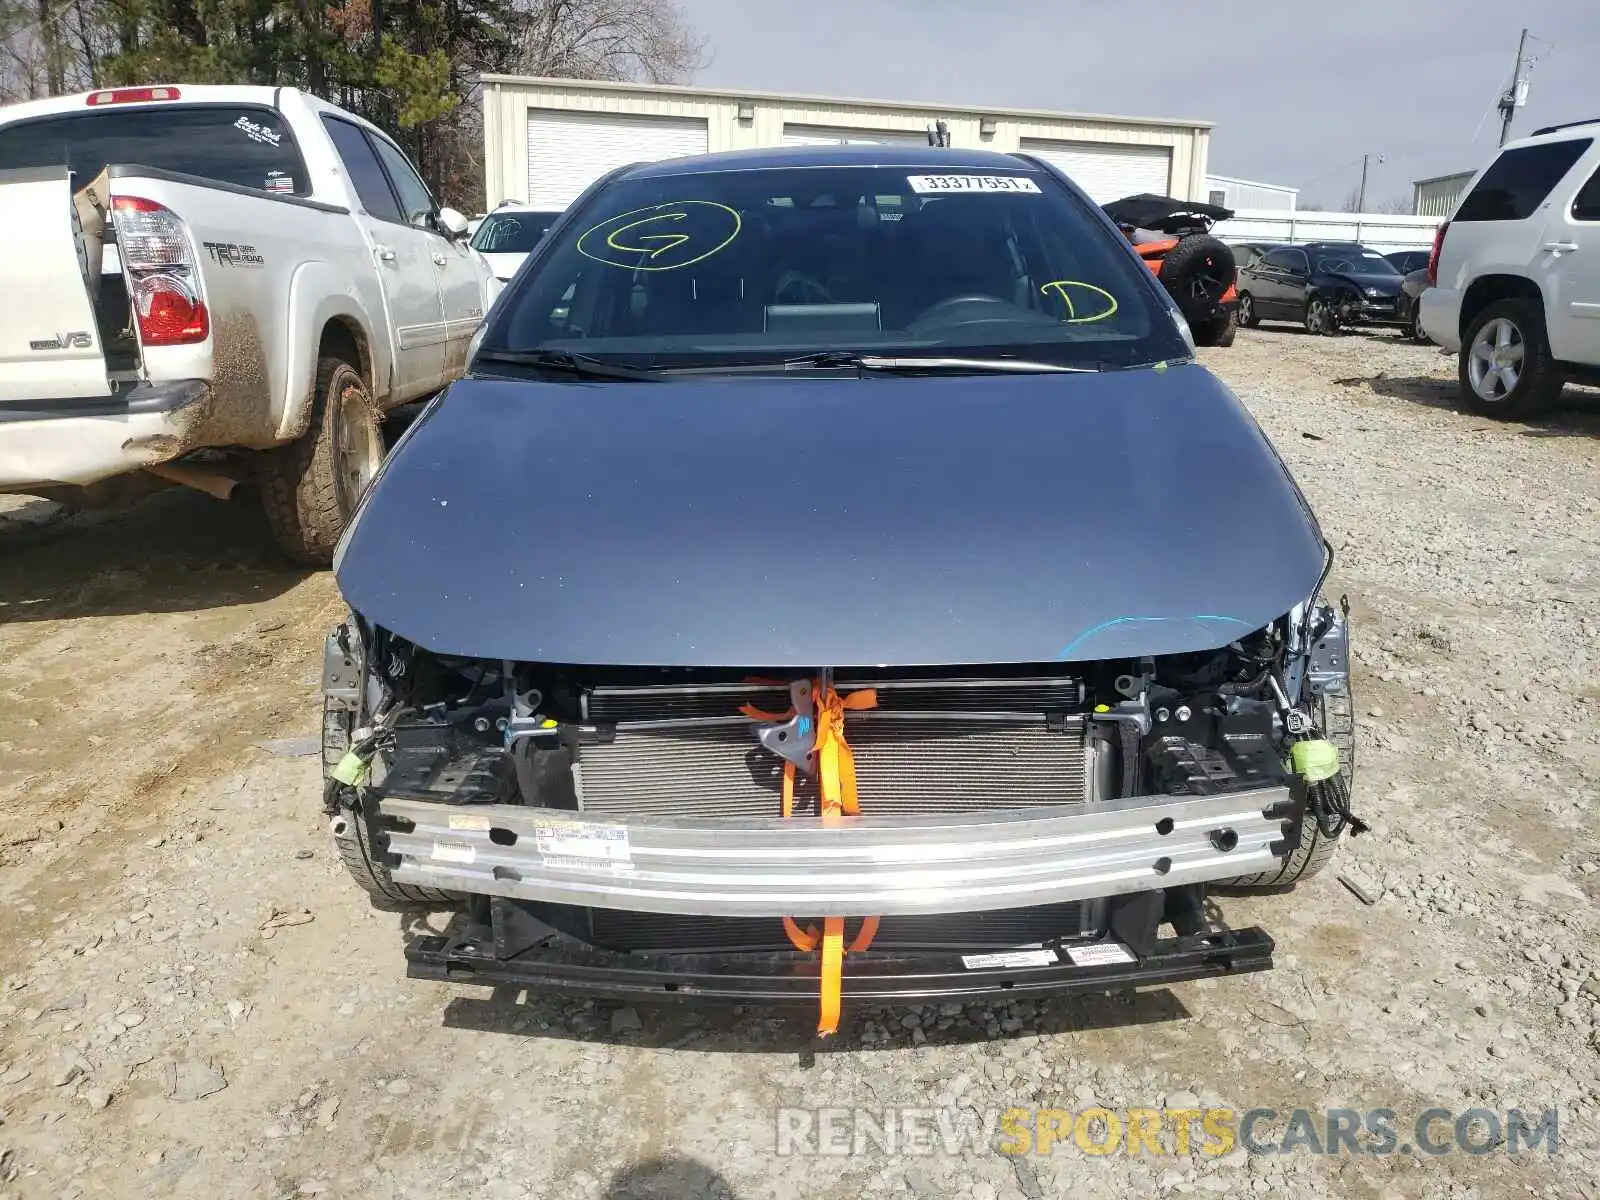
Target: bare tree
x=1398, y=205
x=648, y=40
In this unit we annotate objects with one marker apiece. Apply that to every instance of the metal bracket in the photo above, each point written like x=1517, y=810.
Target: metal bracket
x=341, y=670
x=796, y=738
x=1330, y=653
x=1133, y=712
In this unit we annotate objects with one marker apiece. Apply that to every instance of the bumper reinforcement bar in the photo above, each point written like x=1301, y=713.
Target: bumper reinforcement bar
x=852, y=866
x=466, y=953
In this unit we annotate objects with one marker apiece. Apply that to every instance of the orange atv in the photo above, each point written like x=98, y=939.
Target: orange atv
x=1174, y=239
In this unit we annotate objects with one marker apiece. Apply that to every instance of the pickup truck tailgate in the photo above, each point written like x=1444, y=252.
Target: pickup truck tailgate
x=50, y=348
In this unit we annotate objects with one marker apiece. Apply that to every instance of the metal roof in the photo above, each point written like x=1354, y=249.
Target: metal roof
x=946, y=158
x=922, y=107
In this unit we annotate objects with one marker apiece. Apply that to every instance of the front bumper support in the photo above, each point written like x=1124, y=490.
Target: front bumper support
x=853, y=866
x=471, y=952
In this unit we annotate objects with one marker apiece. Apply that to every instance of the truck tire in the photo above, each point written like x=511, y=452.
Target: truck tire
x=361, y=833
x=1219, y=331
x=311, y=487
x=1533, y=382
x=1198, y=271
x=1335, y=715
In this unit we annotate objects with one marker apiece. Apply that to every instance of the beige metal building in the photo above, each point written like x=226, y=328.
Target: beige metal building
x=1436, y=197
x=547, y=139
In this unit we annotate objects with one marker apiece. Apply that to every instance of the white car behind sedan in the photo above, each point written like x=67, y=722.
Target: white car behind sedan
x=508, y=234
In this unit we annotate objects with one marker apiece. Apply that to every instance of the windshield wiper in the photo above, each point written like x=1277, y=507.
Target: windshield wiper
x=929, y=363
x=569, y=363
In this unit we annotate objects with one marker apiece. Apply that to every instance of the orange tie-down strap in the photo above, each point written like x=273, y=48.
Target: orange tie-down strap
x=836, y=779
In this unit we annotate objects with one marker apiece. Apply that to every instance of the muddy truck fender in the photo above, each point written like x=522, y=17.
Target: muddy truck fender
x=329, y=316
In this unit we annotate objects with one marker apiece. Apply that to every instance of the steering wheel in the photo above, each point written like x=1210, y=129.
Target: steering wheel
x=931, y=314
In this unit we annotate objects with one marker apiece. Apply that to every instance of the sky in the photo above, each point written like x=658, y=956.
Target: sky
x=1298, y=90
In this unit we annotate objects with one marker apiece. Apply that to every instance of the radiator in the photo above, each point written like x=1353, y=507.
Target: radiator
x=1002, y=929
x=930, y=746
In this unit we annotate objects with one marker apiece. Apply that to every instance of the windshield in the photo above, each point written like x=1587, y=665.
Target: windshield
x=238, y=144
x=1353, y=260
x=761, y=265
x=512, y=233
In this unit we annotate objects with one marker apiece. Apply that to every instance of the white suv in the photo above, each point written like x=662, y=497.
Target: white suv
x=1516, y=273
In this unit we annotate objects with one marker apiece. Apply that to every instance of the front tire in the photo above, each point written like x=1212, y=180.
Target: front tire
x=361, y=833
x=310, y=488
x=1248, y=317
x=1313, y=849
x=1319, y=317
x=1219, y=331
x=1505, y=368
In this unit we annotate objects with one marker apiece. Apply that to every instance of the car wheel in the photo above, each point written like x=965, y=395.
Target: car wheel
x=1219, y=331
x=1247, y=311
x=1506, y=369
x=310, y=488
x=361, y=833
x=1312, y=849
x=1318, y=316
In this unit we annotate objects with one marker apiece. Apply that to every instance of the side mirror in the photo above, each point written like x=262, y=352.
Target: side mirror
x=451, y=223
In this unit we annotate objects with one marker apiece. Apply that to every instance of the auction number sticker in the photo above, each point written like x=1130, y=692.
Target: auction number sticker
x=1102, y=954
x=925, y=184
x=1009, y=958
x=583, y=844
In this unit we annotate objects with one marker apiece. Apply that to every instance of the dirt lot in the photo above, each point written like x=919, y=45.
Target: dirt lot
x=197, y=1003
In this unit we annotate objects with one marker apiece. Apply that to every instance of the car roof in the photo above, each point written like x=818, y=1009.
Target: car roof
x=525, y=208
x=770, y=157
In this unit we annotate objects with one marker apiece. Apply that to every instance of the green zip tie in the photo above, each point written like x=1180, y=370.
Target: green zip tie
x=1315, y=760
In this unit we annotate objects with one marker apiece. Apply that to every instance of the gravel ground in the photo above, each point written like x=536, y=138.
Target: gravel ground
x=195, y=1001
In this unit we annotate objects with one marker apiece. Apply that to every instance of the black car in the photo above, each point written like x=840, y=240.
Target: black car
x=1407, y=261
x=1323, y=285
x=1407, y=307
x=834, y=575
x=1248, y=253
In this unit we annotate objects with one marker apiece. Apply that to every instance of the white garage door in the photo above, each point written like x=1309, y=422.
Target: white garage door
x=568, y=151
x=817, y=135
x=1108, y=172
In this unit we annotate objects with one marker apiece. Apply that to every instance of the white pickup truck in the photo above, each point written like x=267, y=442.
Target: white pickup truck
x=214, y=284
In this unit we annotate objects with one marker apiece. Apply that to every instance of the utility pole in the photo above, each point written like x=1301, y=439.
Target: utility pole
x=1517, y=95
x=1361, y=196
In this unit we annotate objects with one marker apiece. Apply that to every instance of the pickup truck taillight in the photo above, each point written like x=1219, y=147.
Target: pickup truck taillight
x=163, y=289
x=1433, y=254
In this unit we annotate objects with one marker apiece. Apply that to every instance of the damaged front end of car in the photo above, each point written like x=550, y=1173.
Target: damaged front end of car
x=888, y=834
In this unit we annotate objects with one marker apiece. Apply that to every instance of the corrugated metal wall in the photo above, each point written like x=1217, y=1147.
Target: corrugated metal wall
x=1242, y=193
x=506, y=101
x=1383, y=232
x=1438, y=197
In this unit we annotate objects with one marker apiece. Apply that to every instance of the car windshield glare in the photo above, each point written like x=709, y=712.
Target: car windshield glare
x=1354, y=260
x=759, y=266
x=511, y=233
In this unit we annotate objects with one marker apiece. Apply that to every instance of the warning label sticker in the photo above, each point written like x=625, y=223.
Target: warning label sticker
x=456, y=852
x=1010, y=958
x=1102, y=954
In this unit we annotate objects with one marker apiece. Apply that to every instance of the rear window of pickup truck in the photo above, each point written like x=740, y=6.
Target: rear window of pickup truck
x=239, y=144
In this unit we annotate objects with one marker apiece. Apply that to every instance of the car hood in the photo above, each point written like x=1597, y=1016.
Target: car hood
x=746, y=521
x=1386, y=285
x=504, y=265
